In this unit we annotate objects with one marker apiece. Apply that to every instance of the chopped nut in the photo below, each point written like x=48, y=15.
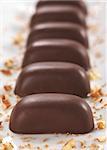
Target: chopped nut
x=98, y=99
x=101, y=139
x=105, y=105
x=1, y=126
x=8, y=88
x=27, y=139
x=7, y=146
x=83, y=144
x=94, y=147
x=46, y=139
x=18, y=40
x=46, y=145
x=101, y=124
x=6, y=72
x=26, y=146
x=69, y=145
x=94, y=75
x=98, y=54
x=5, y=101
x=93, y=28
x=9, y=63
x=98, y=107
x=1, y=139
x=99, y=40
x=61, y=142
x=96, y=93
x=38, y=148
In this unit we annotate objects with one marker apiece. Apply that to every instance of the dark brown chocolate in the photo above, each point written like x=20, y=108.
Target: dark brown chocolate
x=58, y=31
x=73, y=3
x=57, y=50
x=51, y=113
x=58, y=14
x=53, y=77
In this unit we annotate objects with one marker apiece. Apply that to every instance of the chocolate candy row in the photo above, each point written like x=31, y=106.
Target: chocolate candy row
x=59, y=35
x=54, y=77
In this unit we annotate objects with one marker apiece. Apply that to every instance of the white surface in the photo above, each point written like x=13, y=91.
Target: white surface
x=9, y=27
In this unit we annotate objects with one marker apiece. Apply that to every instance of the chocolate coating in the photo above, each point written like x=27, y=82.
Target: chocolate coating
x=58, y=14
x=58, y=31
x=53, y=77
x=57, y=50
x=51, y=113
x=73, y=3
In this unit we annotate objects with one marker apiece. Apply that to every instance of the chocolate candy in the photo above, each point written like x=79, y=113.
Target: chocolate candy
x=73, y=3
x=51, y=113
x=58, y=14
x=55, y=65
x=53, y=77
x=58, y=31
x=57, y=50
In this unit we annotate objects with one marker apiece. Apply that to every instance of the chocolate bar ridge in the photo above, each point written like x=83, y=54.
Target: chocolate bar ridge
x=58, y=14
x=53, y=77
x=57, y=50
x=80, y=4
x=54, y=30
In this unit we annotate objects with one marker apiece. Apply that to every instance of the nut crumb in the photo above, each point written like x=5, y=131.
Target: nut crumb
x=46, y=139
x=101, y=139
x=93, y=28
x=9, y=63
x=6, y=72
x=46, y=145
x=82, y=144
x=26, y=146
x=101, y=124
x=105, y=105
x=7, y=146
x=38, y=148
x=18, y=39
x=5, y=101
x=98, y=54
x=61, y=142
x=1, y=139
x=1, y=126
x=94, y=74
x=8, y=88
x=96, y=93
x=69, y=145
x=94, y=147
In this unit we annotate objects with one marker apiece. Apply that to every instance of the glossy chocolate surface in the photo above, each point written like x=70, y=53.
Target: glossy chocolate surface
x=57, y=50
x=58, y=31
x=51, y=113
x=53, y=77
x=58, y=14
x=73, y=3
